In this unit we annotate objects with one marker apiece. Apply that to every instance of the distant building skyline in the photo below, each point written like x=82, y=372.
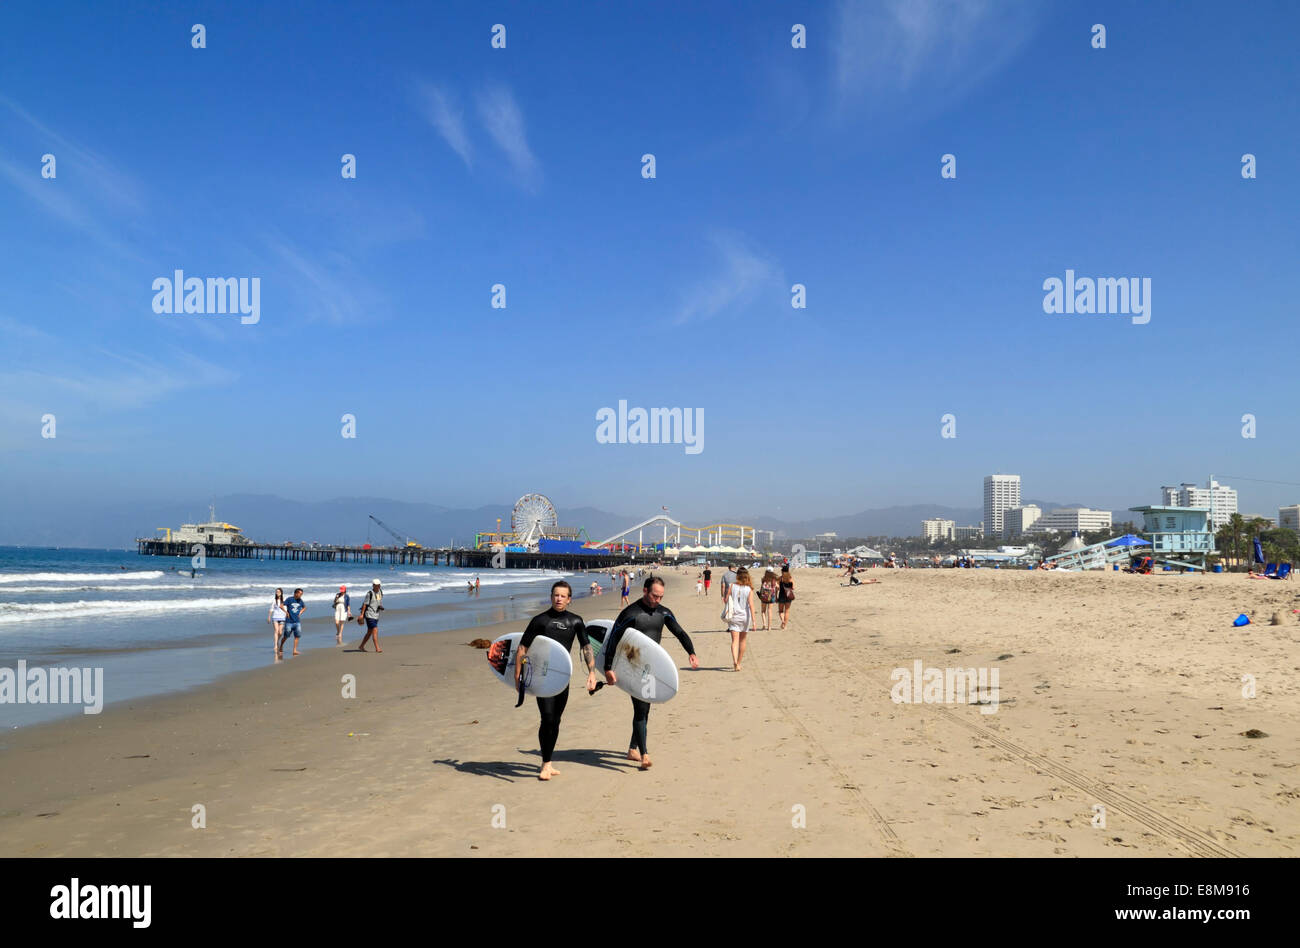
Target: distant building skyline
x=1001, y=493
x=1217, y=498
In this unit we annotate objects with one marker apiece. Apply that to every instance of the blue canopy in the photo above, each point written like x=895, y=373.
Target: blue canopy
x=1129, y=539
x=1259, y=552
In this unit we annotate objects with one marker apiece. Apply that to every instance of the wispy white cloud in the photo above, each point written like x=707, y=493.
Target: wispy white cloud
x=439, y=107
x=82, y=163
x=326, y=286
x=743, y=276
x=102, y=384
x=87, y=186
x=886, y=47
x=504, y=121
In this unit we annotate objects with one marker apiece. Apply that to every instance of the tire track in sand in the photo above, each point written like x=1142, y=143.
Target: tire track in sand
x=1191, y=840
x=887, y=834
x=1194, y=841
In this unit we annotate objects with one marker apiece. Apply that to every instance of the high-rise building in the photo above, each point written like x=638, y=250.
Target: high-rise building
x=1018, y=520
x=1219, y=499
x=1289, y=517
x=937, y=529
x=1001, y=493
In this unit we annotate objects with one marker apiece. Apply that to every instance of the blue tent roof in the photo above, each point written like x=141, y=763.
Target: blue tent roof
x=1129, y=539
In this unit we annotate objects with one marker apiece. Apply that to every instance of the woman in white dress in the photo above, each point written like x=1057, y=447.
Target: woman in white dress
x=342, y=612
x=276, y=617
x=740, y=615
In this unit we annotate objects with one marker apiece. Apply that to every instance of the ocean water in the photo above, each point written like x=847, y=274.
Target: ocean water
x=154, y=629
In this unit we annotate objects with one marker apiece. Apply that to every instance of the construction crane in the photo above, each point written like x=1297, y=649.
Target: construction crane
x=410, y=542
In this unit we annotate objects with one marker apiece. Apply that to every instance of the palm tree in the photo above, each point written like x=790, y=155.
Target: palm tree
x=1231, y=535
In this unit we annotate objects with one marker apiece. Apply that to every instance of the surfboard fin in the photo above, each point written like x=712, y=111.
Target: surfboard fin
x=523, y=681
x=599, y=685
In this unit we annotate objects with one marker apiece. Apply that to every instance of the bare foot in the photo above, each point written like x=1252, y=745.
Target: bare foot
x=295, y=652
x=378, y=649
x=645, y=762
x=633, y=754
x=361, y=650
x=547, y=772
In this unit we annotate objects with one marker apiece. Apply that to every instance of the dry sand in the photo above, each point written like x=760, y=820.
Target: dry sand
x=1115, y=690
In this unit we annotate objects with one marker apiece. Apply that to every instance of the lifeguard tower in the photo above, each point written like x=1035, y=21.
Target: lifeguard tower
x=1181, y=537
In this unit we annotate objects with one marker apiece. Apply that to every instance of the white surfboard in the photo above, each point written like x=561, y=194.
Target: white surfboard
x=547, y=671
x=643, y=669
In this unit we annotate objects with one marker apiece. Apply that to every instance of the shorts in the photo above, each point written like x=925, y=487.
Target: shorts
x=372, y=624
x=294, y=629
x=707, y=583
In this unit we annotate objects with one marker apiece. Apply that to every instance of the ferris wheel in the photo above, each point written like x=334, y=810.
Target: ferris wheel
x=533, y=516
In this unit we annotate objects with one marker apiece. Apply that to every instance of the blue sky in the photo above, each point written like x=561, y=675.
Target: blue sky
x=521, y=166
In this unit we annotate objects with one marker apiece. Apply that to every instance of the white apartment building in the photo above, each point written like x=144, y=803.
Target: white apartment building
x=1072, y=518
x=1018, y=520
x=937, y=529
x=1001, y=493
x=968, y=533
x=1219, y=499
x=1289, y=517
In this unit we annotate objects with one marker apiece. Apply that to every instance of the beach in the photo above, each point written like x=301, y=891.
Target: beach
x=1113, y=691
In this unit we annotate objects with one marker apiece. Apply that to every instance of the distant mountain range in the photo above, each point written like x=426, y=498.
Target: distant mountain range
x=270, y=519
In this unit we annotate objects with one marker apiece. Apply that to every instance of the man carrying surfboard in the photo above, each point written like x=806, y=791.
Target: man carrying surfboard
x=647, y=615
x=561, y=625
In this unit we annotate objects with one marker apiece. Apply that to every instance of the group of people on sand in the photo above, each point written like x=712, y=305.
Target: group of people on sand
x=649, y=616
x=285, y=616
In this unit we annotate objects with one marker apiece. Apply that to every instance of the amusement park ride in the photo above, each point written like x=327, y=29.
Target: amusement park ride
x=534, y=526
x=532, y=521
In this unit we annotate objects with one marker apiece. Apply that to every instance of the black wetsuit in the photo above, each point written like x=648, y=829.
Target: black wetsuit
x=650, y=622
x=563, y=627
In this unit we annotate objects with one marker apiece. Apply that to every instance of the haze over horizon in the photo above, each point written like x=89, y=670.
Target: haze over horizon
x=522, y=166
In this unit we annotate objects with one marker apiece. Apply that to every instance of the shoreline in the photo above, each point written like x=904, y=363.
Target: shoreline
x=136, y=672
x=1116, y=691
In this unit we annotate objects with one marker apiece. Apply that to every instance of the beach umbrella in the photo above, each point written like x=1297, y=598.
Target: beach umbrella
x=1259, y=552
x=1129, y=539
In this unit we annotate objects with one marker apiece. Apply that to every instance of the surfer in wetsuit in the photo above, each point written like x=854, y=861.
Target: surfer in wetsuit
x=649, y=616
x=561, y=625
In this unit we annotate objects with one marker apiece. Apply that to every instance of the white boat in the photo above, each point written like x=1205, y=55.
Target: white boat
x=213, y=531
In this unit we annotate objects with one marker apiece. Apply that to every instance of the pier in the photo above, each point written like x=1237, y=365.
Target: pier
x=396, y=556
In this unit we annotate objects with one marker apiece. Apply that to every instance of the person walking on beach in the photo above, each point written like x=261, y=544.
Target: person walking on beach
x=370, y=609
x=276, y=617
x=767, y=595
x=784, y=595
x=561, y=625
x=728, y=578
x=342, y=611
x=295, y=607
x=739, y=613
x=647, y=615
x=708, y=578
x=627, y=587
x=699, y=585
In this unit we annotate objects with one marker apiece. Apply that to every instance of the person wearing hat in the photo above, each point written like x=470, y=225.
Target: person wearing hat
x=370, y=609
x=342, y=611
